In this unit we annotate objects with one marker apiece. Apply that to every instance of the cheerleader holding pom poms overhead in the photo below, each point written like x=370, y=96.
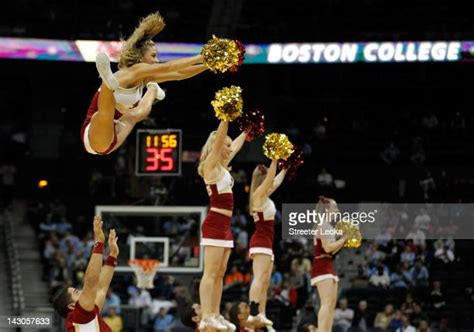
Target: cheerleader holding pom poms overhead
x=216, y=154
x=323, y=275
x=119, y=105
x=264, y=183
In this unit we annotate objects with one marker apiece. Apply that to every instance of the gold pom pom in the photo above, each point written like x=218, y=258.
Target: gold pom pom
x=354, y=237
x=228, y=103
x=277, y=146
x=221, y=55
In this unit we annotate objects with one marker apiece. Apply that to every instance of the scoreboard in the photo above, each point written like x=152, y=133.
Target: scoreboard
x=158, y=152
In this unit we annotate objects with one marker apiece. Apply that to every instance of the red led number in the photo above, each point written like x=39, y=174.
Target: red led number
x=156, y=155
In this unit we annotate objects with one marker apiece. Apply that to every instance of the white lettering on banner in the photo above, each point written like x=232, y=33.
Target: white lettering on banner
x=349, y=52
x=305, y=53
x=410, y=52
x=424, y=51
x=454, y=49
x=386, y=52
x=317, y=51
x=332, y=53
x=439, y=51
x=399, y=56
x=290, y=53
x=274, y=53
x=371, y=52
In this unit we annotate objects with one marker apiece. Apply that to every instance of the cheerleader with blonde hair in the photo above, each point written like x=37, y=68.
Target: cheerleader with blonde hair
x=264, y=183
x=118, y=105
x=216, y=154
x=323, y=274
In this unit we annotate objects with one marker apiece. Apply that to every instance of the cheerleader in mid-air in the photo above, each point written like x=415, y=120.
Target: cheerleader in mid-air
x=119, y=105
x=264, y=183
x=323, y=275
x=216, y=154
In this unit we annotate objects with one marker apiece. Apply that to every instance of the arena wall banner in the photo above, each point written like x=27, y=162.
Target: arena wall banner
x=290, y=53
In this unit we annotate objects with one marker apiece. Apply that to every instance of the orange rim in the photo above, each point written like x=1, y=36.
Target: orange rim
x=147, y=265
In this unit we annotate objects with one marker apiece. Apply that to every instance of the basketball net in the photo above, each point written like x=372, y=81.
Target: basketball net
x=145, y=270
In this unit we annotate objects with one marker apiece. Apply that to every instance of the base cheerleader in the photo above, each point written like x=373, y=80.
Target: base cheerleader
x=264, y=183
x=323, y=275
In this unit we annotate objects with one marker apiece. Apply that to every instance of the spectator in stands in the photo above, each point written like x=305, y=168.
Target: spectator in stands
x=406, y=326
x=46, y=227
x=325, y=179
x=276, y=279
x=160, y=303
x=320, y=131
x=428, y=185
x=362, y=321
x=68, y=240
x=408, y=306
x=418, y=156
x=406, y=274
x=384, y=237
x=458, y=123
x=78, y=268
x=59, y=271
x=429, y=121
x=397, y=280
x=343, y=316
x=163, y=322
x=417, y=236
x=419, y=274
x=113, y=319
x=444, y=250
x=423, y=220
x=383, y=319
x=87, y=243
x=391, y=153
x=408, y=255
x=374, y=254
x=234, y=277
x=397, y=321
x=437, y=298
x=380, y=279
x=63, y=227
x=299, y=272
x=287, y=294
x=140, y=299
x=423, y=326
x=418, y=314
x=112, y=300
x=242, y=239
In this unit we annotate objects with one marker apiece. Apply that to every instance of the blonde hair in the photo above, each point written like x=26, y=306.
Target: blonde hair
x=206, y=149
x=258, y=176
x=325, y=205
x=140, y=41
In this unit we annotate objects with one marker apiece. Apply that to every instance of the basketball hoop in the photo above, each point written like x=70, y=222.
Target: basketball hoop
x=145, y=270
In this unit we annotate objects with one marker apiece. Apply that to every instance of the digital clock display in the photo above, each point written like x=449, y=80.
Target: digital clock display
x=158, y=152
